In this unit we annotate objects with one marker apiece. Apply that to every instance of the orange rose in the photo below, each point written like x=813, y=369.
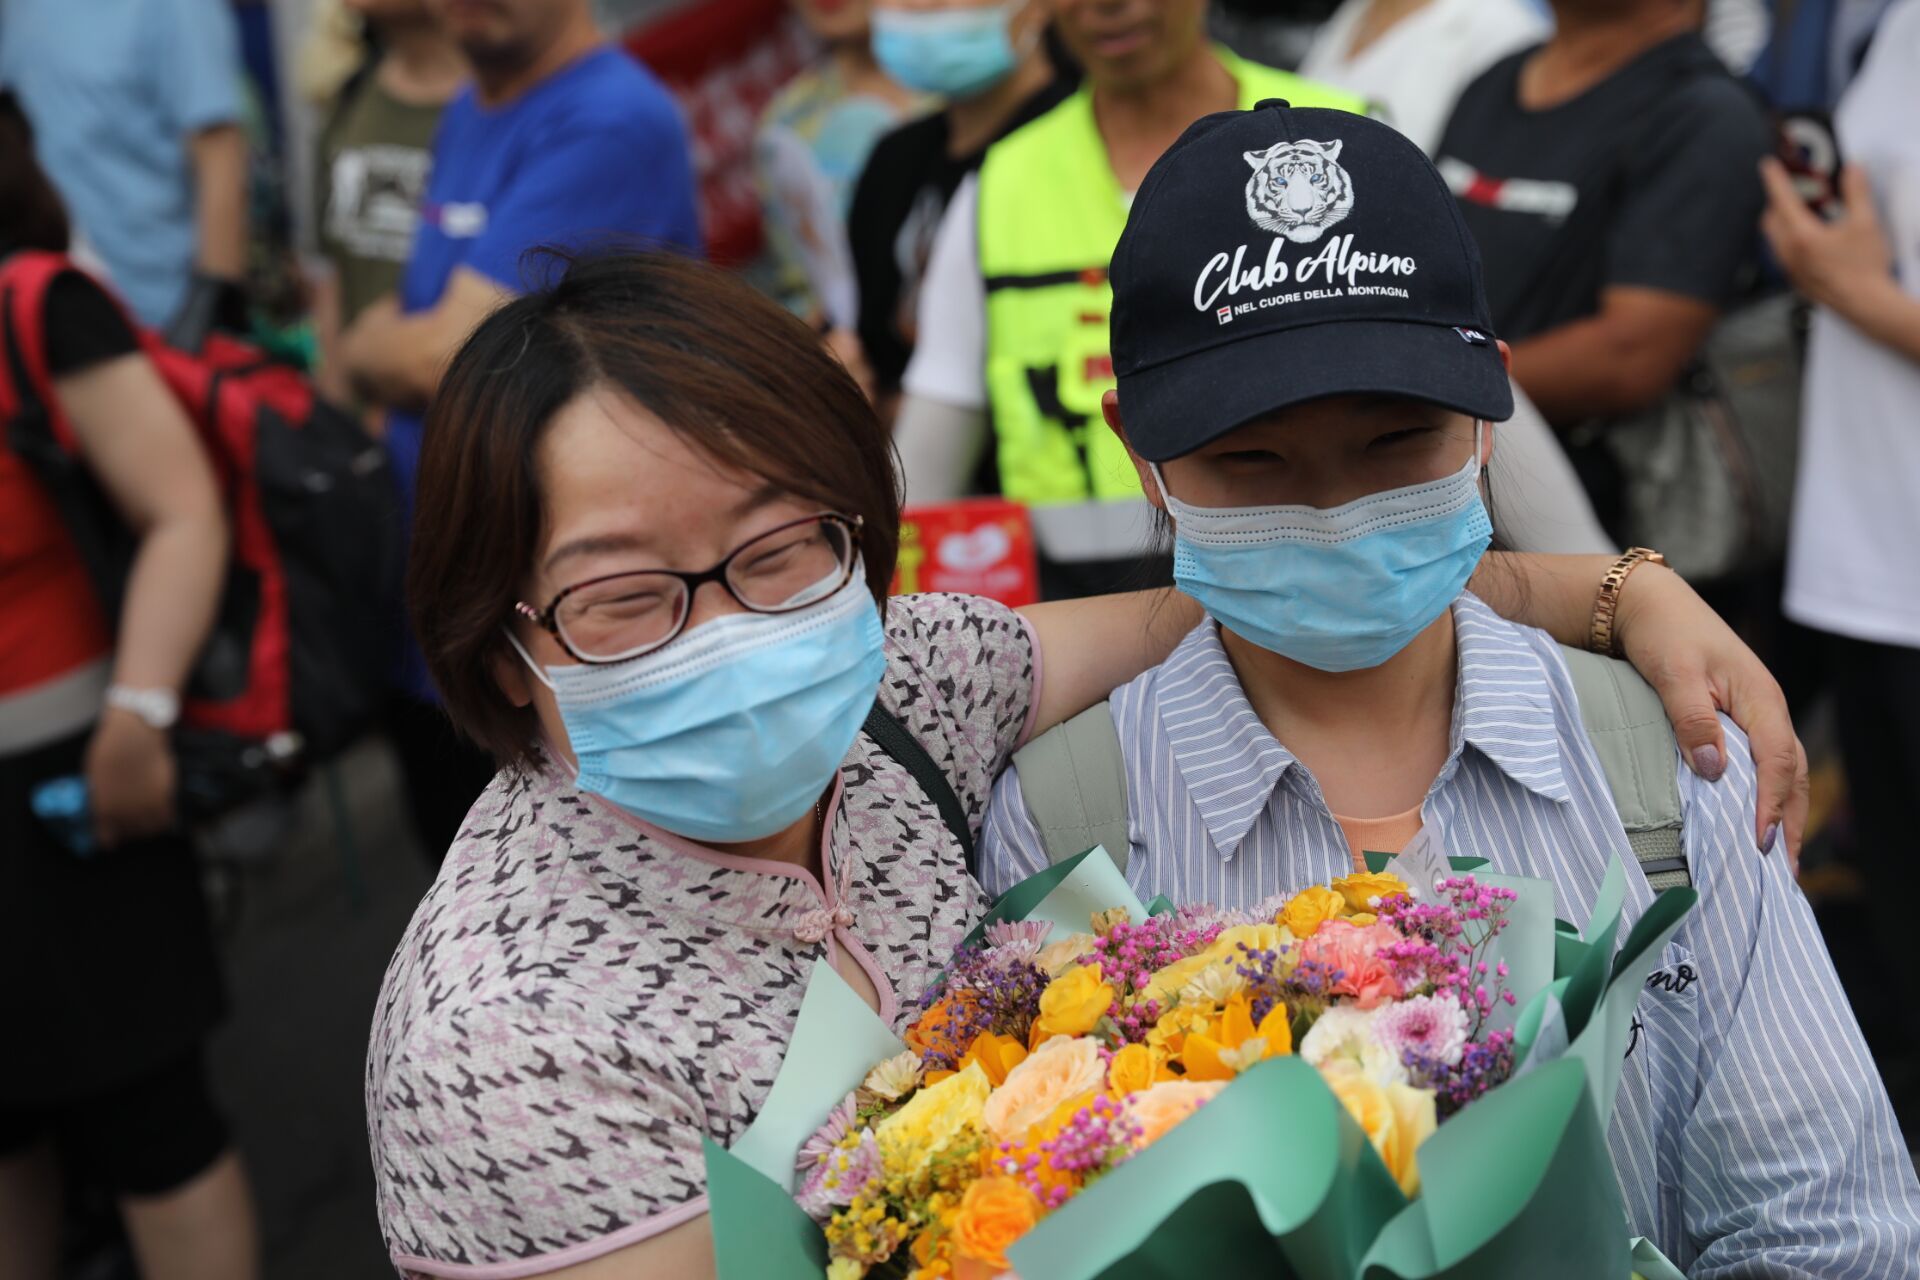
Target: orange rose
x=1158, y=1109
x=1058, y=1070
x=1033, y=1156
x=994, y=1213
x=996, y=1054
x=932, y=1033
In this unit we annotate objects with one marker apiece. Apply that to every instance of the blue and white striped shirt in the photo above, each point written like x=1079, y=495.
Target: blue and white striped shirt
x=1752, y=1135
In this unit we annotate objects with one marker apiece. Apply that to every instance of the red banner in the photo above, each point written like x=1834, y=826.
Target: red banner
x=723, y=60
x=981, y=547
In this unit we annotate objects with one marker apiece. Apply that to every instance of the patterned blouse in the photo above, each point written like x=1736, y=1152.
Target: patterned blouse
x=581, y=996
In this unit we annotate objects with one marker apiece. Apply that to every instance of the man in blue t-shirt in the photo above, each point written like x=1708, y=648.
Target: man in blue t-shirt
x=561, y=139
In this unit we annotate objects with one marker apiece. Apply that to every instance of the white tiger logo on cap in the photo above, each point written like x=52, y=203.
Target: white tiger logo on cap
x=1298, y=189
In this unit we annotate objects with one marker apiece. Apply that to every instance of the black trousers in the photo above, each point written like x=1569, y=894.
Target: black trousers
x=1877, y=697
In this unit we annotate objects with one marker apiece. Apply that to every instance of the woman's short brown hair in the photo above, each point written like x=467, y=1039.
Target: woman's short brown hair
x=732, y=372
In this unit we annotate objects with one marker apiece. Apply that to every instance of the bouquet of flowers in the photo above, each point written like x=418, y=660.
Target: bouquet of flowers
x=1193, y=1091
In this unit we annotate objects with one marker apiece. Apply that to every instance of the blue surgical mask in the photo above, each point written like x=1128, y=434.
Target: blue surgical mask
x=1338, y=589
x=735, y=729
x=956, y=53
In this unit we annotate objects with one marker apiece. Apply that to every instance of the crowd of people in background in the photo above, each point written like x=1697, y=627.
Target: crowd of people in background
x=1664, y=196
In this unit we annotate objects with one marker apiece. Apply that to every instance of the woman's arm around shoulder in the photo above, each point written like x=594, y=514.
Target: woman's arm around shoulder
x=1687, y=653
x=963, y=676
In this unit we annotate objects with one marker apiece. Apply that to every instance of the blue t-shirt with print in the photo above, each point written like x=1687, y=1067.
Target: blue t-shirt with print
x=595, y=153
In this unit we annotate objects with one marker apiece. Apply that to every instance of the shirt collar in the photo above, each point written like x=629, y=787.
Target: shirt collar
x=1232, y=763
x=1229, y=759
x=1503, y=706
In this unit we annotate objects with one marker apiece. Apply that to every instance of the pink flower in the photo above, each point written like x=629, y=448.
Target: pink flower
x=839, y=1124
x=1366, y=977
x=1016, y=942
x=1432, y=1027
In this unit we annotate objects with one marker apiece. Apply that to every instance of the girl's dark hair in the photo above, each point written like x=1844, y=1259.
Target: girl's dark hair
x=31, y=215
x=732, y=372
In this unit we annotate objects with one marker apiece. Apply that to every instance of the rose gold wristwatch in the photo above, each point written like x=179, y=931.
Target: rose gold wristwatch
x=1607, y=603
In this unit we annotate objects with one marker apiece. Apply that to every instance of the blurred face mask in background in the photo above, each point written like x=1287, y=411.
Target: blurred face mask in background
x=956, y=53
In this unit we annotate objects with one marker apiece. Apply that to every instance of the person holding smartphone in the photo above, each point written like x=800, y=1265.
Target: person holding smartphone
x=1851, y=573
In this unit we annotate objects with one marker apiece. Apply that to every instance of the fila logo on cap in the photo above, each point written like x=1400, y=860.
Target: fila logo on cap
x=1225, y=314
x=1298, y=189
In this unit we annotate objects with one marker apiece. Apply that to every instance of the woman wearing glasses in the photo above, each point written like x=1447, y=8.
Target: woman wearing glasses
x=656, y=529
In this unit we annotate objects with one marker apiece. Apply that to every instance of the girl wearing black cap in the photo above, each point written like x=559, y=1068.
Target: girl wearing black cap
x=1307, y=384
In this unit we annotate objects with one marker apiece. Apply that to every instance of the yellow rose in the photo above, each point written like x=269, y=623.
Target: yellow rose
x=1136, y=1067
x=1156, y=1110
x=996, y=1054
x=1228, y=951
x=1310, y=908
x=933, y=1120
x=1055, y=958
x=1071, y=1004
x=1361, y=889
x=1396, y=1118
x=1058, y=1070
x=845, y=1269
x=993, y=1214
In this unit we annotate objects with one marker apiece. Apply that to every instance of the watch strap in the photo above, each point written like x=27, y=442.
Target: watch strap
x=1602, y=636
x=159, y=708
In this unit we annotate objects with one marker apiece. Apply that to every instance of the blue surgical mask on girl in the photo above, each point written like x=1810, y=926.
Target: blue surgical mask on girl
x=1338, y=589
x=952, y=52
x=735, y=729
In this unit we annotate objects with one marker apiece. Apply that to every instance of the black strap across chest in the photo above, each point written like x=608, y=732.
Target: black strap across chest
x=892, y=737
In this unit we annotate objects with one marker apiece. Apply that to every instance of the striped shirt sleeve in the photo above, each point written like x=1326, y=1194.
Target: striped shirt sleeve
x=1790, y=1160
x=1010, y=844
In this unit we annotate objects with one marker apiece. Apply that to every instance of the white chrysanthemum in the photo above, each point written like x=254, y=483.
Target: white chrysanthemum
x=1214, y=985
x=896, y=1077
x=1346, y=1034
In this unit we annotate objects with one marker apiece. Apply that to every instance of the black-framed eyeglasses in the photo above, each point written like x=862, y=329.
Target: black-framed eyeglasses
x=624, y=615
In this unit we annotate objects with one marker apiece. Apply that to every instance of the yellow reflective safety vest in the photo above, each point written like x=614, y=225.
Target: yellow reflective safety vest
x=1050, y=214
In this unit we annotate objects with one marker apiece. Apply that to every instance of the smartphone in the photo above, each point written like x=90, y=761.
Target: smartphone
x=1810, y=150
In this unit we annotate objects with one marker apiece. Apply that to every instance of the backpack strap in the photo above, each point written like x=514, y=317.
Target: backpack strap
x=1628, y=728
x=893, y=738
x=1075, y=784
x=25, y=277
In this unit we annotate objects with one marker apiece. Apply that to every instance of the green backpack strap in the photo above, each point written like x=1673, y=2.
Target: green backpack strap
x=1075, y=783
x=1628, y=727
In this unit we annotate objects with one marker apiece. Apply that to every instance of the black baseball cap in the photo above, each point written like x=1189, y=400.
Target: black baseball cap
x=1284, y=254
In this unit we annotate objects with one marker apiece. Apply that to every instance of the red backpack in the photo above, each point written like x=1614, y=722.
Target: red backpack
x=303, y=645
